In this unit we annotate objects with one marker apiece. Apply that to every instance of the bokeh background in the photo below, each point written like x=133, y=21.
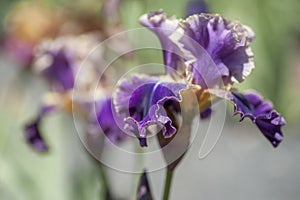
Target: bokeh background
x=243, y=165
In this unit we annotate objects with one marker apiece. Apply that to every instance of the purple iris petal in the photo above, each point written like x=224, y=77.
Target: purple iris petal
x=60, y=72
x=142, y=101
x=163, y=27
x=59, y=60
x=215, y=50
x=144, y=192
x=32, y=132
x=261, y=112
x=109, y=122
x=227, y=43
x=55, y=60
x=34, y=137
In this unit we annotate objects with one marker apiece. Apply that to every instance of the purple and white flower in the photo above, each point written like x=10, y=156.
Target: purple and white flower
x=201, y=53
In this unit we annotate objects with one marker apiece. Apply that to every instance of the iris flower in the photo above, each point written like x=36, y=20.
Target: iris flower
x=58, y=61
x=205, y=55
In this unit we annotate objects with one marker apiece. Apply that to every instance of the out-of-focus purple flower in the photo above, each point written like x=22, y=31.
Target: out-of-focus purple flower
x=109, y=122
x=60, y=72
x=196, y=7
x=34, y=137
x=99, y=114
x=104, y=127
x=142, y=100
x=32, y=130
x=59, y=60
x=144, y=191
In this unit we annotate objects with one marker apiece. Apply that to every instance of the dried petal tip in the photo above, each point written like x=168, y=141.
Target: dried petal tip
x=144, y=192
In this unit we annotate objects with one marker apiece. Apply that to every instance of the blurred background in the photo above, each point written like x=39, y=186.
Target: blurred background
x=243, y=165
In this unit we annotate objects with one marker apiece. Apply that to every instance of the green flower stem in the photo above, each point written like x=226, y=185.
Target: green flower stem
x=103, y=178
x=168, y=182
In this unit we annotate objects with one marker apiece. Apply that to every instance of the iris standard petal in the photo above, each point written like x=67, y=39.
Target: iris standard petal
x=227, y=43
x=142, y=99
x=163, y=27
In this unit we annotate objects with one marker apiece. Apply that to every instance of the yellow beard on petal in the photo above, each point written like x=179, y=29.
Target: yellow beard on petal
x=204, y=99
